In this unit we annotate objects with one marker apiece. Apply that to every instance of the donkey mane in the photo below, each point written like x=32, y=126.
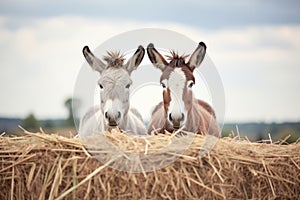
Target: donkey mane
x=175, y=59
x=114, y=59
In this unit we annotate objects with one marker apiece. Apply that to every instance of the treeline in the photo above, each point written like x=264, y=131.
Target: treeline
x=263, y=131
x=31, y=123
x=253, y=131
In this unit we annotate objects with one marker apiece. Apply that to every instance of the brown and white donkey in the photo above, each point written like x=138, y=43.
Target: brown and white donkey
x=179, y=109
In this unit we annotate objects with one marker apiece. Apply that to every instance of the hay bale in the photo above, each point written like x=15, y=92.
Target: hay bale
x=42, y=166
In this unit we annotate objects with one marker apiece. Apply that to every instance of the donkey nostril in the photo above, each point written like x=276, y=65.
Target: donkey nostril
x=170, y=117
x=182, y=116
x=119, y=115
x=106, y=115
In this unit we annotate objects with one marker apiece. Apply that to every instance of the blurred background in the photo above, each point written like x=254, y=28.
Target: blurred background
x=255, y=46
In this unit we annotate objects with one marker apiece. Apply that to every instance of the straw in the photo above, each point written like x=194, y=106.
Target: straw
x=49, y=166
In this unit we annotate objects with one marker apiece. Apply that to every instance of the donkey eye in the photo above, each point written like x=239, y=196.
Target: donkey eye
x=191, y=84
x=101, y=86
x=127, y=86
x=163, y=85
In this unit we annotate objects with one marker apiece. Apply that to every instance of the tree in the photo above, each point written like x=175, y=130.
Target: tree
x=30, y=123
x=72, y=105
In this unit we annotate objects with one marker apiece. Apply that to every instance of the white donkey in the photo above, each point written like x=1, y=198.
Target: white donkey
x=114, y=83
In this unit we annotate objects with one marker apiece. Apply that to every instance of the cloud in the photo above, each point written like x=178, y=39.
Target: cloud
x=259, y=65
x=207, y=14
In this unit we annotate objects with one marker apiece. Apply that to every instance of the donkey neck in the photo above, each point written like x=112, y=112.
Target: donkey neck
x=193, y=115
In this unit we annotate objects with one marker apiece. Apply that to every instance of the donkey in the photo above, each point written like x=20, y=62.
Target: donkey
x=114, y=83
x=179, y=109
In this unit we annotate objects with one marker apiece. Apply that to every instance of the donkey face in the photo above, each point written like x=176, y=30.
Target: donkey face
x=114, y=82
x=177, y=80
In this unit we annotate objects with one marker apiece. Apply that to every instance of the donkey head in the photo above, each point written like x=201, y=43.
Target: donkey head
x=177, y=80
x=114, y=82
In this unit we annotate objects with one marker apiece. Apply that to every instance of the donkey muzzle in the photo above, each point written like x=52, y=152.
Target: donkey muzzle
x=176, y=121
x=112, y=119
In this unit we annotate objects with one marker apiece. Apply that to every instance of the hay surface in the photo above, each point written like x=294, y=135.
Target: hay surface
x=42, y=166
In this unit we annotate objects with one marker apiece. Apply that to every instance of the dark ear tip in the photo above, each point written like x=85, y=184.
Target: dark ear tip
x=86, y=49
x=151, y=45
x=202, y=44
x=140, y=47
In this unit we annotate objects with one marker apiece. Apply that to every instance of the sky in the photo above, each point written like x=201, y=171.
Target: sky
x=254, y=45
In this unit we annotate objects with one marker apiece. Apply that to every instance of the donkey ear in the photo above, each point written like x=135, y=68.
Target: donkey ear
x=93, y=61
x=156, y=58
x=136, y=59
x=197, y=57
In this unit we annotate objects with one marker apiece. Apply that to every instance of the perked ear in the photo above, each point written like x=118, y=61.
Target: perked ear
x=156, y=58
x=136, y=59
x=197, y=57
x=93, y=61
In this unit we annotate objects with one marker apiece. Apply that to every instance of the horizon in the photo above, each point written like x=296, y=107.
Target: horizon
x=146, y=121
